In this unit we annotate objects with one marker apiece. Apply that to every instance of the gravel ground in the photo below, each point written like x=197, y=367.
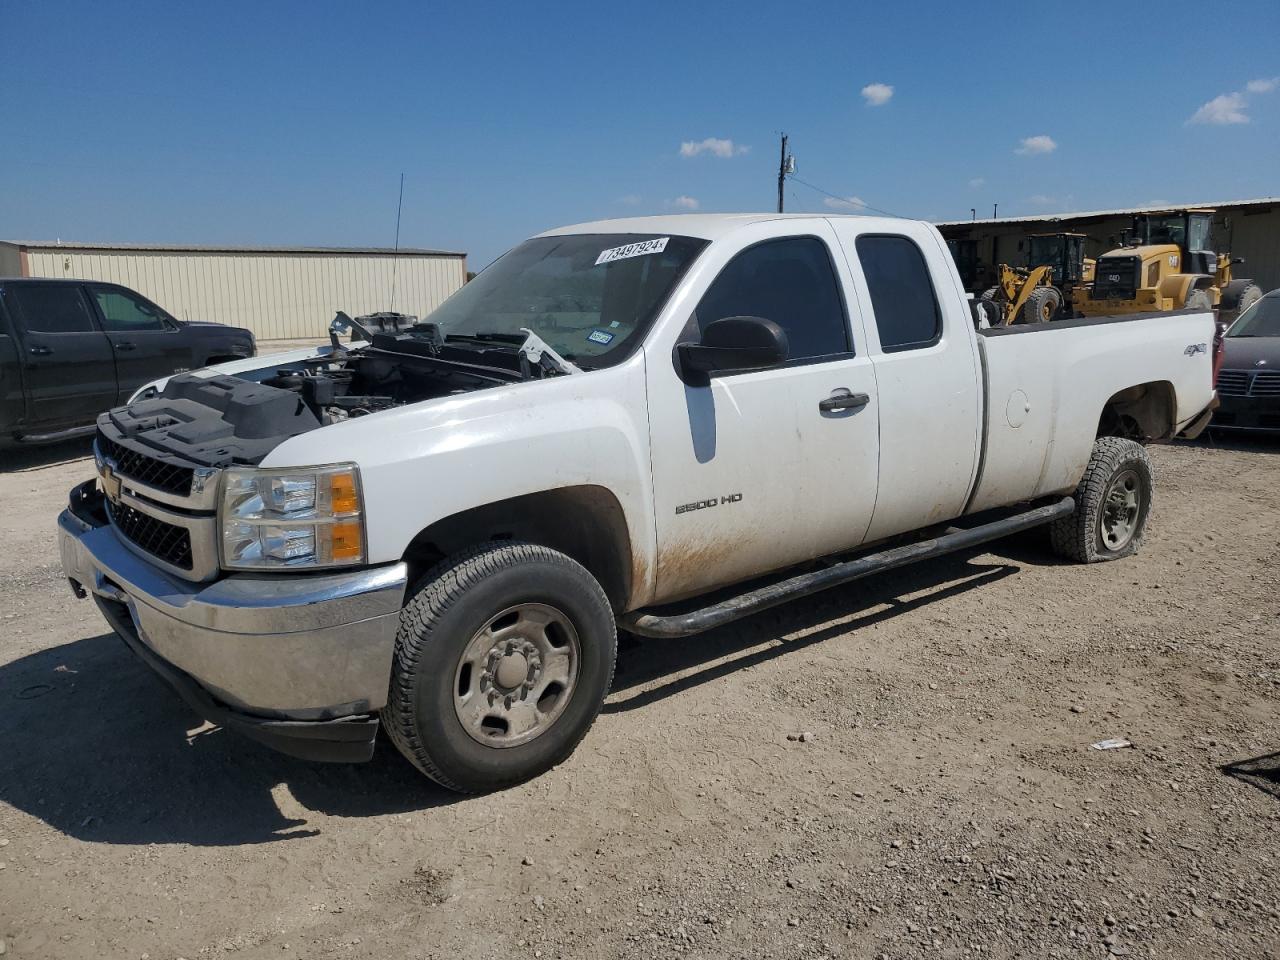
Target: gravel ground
x=897, y=769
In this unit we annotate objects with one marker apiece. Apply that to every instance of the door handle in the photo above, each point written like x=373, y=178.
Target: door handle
x=39, y=350
x=844, y=401
x=126, y=345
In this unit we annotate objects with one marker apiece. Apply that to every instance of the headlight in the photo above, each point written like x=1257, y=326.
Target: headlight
x=297, y=517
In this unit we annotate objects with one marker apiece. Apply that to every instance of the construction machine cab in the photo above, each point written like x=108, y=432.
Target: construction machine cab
x=1189, y=230
x=1064, y=252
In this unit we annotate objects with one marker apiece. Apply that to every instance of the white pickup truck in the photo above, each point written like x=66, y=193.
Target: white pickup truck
x=440, y=528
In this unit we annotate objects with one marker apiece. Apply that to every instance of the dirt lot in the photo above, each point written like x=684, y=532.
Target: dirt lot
x=946, y=804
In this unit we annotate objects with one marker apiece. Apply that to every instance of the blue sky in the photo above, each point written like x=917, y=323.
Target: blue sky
x=279, y=123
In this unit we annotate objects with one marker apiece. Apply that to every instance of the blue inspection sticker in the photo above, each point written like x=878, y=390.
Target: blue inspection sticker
x=600, y=336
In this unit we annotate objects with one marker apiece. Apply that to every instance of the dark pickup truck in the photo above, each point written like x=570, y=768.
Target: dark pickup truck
x=70, y=349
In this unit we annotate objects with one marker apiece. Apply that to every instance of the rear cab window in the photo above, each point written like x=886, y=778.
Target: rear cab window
x=906, y=308
x=50, y=307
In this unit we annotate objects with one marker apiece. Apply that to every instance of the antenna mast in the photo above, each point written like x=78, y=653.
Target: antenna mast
x=395, y=259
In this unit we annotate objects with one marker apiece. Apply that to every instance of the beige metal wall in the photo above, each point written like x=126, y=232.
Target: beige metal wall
x=10, y=261
x=276, y=295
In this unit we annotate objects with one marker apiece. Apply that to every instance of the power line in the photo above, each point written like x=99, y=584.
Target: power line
x=836, y=196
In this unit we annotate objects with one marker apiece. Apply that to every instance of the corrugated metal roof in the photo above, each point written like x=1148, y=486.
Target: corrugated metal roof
x=216, y=248
x=1052, y=217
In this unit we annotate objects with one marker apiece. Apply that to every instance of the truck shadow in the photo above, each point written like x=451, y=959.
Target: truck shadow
x=1235, y=442
x=643, y=661
x=23, y=458
x=102, y=750
x=98, y=747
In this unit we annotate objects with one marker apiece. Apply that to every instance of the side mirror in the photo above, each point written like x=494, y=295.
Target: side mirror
x=1236, y=261
x=734, y=343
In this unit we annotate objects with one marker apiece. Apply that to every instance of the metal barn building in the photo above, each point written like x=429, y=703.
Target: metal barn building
x=280, y=293
x=1246, y=228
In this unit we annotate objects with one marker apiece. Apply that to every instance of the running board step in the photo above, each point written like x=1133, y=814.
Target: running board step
x=71, y=434
x=648, y=623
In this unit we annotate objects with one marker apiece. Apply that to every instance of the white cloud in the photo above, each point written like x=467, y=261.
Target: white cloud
x=1042, y=200
x=845, y=203
x=1031, y=146
x=977, y=182
x=630, y=200
x=1229, y=108
x=684, y=203
x=714, y=146
x=877, y=94
x=1225, y=109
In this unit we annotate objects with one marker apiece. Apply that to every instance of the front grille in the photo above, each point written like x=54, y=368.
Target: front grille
x=1233, y=383
x=163, y=540
x=1115, y=279
x=1246, y=383
x=146, y=470
x=1266, y=384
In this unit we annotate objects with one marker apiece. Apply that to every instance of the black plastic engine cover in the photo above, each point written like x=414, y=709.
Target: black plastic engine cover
x=211, y=421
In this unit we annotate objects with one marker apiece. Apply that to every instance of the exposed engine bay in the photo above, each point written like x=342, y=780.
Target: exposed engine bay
x=238, y=419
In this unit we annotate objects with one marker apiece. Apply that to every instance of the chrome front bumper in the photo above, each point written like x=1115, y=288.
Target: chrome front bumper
x=301, y=650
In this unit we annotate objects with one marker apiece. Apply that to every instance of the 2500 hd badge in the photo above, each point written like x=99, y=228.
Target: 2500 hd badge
x=709, y=502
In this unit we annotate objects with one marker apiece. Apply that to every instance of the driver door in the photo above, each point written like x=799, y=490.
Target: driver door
x=750, y=472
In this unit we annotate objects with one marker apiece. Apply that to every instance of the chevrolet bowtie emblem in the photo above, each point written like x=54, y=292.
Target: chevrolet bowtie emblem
x=109, y=482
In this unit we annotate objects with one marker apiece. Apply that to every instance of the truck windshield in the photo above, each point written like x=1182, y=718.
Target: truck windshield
x=1260, y=320
x=589, y=296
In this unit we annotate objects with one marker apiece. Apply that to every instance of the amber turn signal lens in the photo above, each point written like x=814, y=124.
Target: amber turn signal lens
x=342, y=493
x=347, y=540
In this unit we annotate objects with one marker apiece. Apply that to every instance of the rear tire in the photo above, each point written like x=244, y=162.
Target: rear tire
x=1113, y=502
x=503, y=659
x=1251, y=295
x=1041, y=306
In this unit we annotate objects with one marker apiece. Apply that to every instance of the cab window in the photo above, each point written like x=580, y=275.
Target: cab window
x=124, y=312
x=51, y=308
x=902, y=297
x=790, y=282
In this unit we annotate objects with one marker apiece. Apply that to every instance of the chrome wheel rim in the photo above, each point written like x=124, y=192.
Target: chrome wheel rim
x=517, y=675
x=1120, y=508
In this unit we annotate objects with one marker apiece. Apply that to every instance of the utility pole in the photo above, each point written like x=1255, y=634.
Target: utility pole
x=995, y=211
x=782, y=170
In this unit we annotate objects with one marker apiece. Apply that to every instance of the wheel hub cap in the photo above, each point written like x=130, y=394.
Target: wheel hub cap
x=513, y=669
x=1120, y=510
x=516, y=675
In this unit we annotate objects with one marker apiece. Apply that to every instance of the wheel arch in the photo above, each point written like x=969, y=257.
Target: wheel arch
x=1143, y=412
x=584, y=522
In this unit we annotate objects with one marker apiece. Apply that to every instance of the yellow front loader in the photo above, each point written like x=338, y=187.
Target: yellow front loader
x=1024, y=294
x=1166, y=263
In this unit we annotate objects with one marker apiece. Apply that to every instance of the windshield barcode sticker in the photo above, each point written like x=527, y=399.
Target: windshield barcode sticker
x=632, y=250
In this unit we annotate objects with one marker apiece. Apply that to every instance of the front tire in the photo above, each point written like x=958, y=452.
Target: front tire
x=1042, y=305
x=1113, y=502
x=1198, y=300
x=503, y=659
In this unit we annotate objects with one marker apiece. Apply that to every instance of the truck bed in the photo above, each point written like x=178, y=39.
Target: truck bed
x=1037, y=374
